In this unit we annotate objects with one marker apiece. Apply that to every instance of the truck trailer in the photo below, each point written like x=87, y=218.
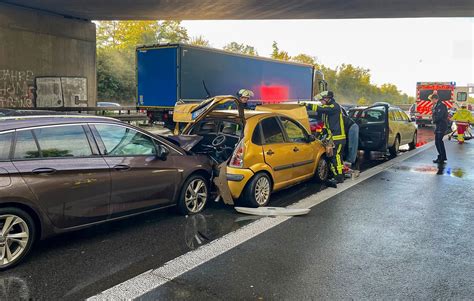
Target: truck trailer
x=171, y=73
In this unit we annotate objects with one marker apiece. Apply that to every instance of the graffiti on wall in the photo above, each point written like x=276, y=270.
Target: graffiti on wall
x=16, y=88
x=61, y=92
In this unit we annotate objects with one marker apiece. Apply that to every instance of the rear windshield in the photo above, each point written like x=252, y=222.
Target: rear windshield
x=374, y=115
x=442, y=94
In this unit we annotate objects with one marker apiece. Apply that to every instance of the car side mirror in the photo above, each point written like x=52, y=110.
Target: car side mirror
x=162, y=152
x=311, y=138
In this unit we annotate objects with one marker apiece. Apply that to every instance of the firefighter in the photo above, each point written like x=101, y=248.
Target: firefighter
x=463, y=118
x=244, y=96
x=334, y=125
x=440, y=119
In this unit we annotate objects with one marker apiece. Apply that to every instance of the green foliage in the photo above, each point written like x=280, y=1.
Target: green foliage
x=241, y=48
x=116, y=76
x=117, y=40
x=351, y=84
x=279, y=55
x=116, y=43
x=305, y=59
x=470, y=99
x=199, y=41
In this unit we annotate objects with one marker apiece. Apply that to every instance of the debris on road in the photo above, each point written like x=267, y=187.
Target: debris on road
x=272, y=211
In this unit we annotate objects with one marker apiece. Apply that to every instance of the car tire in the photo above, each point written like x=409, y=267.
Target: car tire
x=258, y=190
x=394, y=149
x=194, y=195
x=322, y=170
x=412, y=144
x=18, y=238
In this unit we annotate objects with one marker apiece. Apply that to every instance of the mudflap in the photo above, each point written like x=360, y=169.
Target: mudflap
x=221, y=184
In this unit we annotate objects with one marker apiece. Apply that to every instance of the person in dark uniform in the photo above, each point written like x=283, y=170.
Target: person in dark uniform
x=244, y=96
x=334, y=125
x=440, y=119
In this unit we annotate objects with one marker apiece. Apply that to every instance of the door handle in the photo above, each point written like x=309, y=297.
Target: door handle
x=270, y=152
x=296, y=149
x=121, y=167
x=44, y=171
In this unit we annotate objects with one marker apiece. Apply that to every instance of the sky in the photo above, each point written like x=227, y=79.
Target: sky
x=398, y=51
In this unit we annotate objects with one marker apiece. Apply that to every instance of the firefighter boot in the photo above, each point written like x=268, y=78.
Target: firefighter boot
x=340, y=178
x=331, y=183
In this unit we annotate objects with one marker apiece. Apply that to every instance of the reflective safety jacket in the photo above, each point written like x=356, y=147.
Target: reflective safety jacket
x=463, y=115
x=333, y=121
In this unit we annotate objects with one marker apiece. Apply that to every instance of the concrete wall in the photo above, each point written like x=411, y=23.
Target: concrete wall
x=36, y=44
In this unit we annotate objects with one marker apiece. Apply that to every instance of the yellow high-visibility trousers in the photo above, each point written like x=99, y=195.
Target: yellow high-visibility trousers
x=336, y=162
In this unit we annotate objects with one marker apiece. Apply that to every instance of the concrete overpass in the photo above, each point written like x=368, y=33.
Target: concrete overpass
x=249, y=9
x=48, y=46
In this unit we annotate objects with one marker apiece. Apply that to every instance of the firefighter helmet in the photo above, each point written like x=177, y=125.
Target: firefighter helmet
x=245, y=93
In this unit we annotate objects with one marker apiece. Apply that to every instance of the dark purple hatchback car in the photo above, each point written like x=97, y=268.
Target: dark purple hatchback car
x=62, y=173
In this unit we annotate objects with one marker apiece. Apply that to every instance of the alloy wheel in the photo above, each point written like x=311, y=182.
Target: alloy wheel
x=14, y=238
x=262, y=191
x=196, y=196
x=322, y=169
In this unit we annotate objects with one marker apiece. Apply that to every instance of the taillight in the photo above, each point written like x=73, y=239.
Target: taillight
x=237, y=159
x=319, y=126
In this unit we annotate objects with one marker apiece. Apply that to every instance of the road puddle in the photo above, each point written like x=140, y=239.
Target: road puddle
x=436, y=170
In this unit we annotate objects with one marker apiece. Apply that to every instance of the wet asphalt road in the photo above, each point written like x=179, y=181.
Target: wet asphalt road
x=81, y=264
x=404, y=234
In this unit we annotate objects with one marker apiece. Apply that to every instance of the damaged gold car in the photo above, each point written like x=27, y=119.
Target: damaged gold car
x=255, y=152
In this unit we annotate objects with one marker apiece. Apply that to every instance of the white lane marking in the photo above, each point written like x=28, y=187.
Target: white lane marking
x=152, y=279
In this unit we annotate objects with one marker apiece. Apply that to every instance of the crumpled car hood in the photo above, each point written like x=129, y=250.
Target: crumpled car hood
x=186, y=142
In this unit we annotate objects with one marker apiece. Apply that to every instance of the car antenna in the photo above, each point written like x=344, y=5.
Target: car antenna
x=205, y=88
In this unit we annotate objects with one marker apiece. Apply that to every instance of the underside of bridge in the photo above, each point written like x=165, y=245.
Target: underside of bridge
x=48, y=47
x=249, y=9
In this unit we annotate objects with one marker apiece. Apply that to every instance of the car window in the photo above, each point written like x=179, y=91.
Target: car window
x=398, y=115
x=205, y=127
x=271, y=131
x=230, y=128
x=354, y=113
x=5, y=145
x=404, y=116
x=256, y=136
x=373, y=115
x=391, y=116
x=124, y=141
x=294, y=132
x=25, y=146
x=63, y=141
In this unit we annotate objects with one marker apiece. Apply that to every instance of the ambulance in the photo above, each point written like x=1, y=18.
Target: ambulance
x=445, y=92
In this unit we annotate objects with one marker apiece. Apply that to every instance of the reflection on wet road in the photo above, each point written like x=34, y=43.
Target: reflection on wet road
x=80, y=264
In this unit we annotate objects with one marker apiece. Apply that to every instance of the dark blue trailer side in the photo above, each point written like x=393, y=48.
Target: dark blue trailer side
x=226, y=73
x=169, y=73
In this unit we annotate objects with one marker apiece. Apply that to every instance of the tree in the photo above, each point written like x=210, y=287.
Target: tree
x=129, y=34
x=199, y=41
x=241, y=48
x=305, y=59
x=362, y=102
x=116, y=76
x=279, y=55
x=171, y=32
x=116, y=43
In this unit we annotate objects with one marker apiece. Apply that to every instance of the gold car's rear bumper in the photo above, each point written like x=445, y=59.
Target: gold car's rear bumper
x=237, y=178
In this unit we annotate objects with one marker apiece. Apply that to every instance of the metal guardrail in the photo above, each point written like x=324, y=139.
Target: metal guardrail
x=126, y=113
